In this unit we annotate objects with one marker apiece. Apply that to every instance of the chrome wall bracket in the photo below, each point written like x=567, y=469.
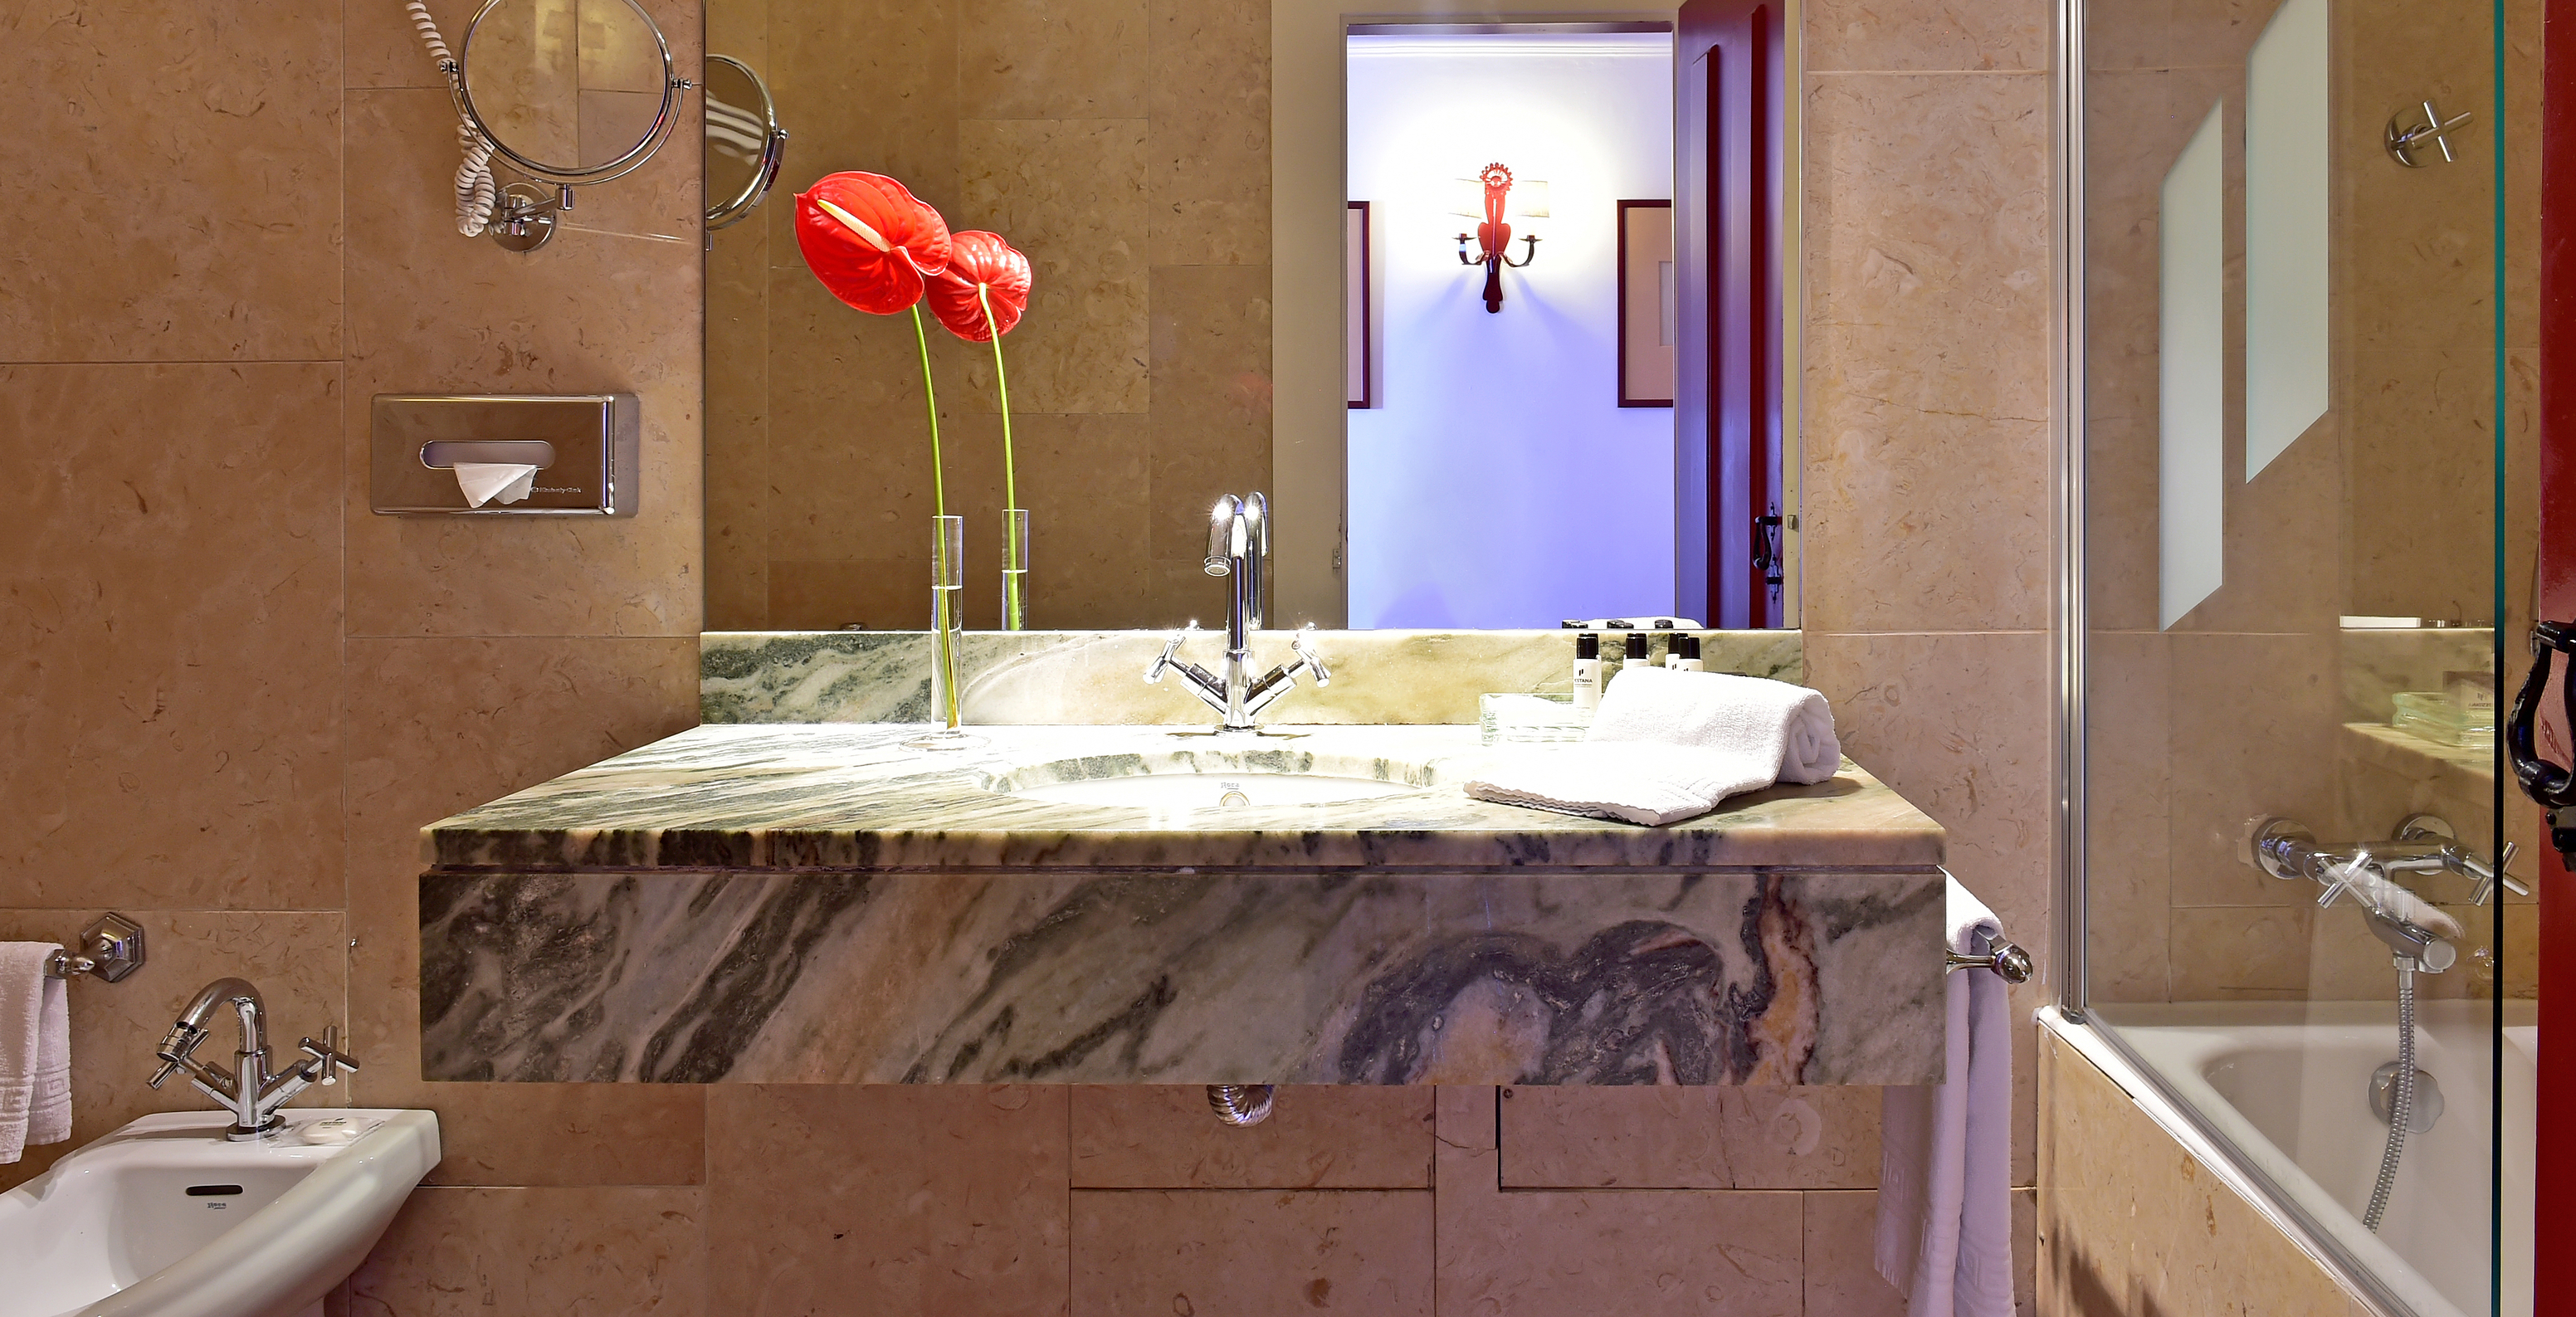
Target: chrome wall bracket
x=111, y=948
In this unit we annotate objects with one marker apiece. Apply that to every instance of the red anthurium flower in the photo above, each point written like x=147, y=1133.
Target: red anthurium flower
x=980, y=266
x=870, y=240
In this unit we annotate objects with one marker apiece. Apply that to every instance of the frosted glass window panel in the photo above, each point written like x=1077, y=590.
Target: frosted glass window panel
x=2287, y=230
x=2191, y=413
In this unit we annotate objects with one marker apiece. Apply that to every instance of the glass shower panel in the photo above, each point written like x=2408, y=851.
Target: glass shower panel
x=2295, y=445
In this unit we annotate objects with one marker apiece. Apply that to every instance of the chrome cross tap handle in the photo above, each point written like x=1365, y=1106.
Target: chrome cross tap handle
x=251, y=1092
x=1239, y=549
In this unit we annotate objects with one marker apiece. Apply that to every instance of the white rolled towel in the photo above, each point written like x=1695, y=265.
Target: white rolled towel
x=1667, y=746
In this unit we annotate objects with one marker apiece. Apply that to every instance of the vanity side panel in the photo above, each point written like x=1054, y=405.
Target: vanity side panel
x=1746, y=976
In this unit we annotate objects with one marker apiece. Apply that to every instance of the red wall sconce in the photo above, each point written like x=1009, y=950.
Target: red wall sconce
x=1492, y=196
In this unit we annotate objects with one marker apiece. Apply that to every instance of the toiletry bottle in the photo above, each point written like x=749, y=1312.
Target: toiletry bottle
x=1587, y=672
x=1683, y=656
x=1636, y=656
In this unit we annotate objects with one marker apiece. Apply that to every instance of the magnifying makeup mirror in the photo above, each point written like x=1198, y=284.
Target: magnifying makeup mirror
x=567, y=92
x=744, y=145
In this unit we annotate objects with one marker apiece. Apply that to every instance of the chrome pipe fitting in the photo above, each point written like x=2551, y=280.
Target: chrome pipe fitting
x=1241, y=1104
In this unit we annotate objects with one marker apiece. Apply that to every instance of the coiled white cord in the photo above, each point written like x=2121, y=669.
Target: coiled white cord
x=474, y=188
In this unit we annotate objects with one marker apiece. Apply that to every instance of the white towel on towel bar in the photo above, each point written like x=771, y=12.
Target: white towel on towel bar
x=35, y=1050
x=1945, y=1151
x=1667, y=746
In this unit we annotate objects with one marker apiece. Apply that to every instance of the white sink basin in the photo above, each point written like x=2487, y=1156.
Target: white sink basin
x=164, y=1218
x=1215, y=790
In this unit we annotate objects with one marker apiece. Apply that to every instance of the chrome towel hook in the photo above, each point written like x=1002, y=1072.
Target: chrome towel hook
x=111, y=948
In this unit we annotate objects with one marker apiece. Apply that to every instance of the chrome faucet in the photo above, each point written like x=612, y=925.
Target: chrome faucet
x=250, y=1092
x=2365, y=871
x=1239, y=548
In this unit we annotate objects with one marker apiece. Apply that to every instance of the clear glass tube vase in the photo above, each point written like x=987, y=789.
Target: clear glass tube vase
x=1015, y=569
x=947, y=631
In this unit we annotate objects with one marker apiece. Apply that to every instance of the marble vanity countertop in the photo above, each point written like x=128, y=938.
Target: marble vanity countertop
x=851, y=796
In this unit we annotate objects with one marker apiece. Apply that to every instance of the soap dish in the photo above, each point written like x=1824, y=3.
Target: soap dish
x=1530, y=719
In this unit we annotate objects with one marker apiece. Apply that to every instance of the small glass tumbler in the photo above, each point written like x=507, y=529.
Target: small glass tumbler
x=1015, y=569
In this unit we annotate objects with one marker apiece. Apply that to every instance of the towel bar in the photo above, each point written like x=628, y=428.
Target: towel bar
x=2009, y=962
x=115, y=949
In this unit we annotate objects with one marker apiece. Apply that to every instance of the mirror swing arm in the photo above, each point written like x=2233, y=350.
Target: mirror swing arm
x=523, y=215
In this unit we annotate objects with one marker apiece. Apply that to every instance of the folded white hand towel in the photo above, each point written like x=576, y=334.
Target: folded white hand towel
x=35, y=1050
x=1945, y=1152
x=1667, y=746
x=1787, y=728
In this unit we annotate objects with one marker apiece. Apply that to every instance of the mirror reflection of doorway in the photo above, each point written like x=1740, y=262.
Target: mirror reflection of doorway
x=1495, y=477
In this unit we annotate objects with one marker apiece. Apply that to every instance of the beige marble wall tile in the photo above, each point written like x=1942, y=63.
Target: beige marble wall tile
x=1211, y=426
x=1927, y=35
x=1317, y=1137
x=740, y=28
x=1643, y=1252
x=298, y=960
x=1207, y=133
x=525, y=1251
x=1086, y=481
x=2235, y=953
x=1252, y=1253
x=586, y=313
x=2129, y=1223
x=1070, y=194
x=1689, y=1138
x=172, y=586
x=850, y=467
x=2255, y=732
x=1032, y=59
x=1926, y=359
x=176, y=175
x=925, y=1199
x=2128, y=804
x=440, y=725
x=2422, y=485
x=1959, y=725
x=872, y=85
x=737, y=507
x=869, y=592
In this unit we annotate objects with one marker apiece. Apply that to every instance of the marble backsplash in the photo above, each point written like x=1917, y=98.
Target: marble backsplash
x=1096, y=677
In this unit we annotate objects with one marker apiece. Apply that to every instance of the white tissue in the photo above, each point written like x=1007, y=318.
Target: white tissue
x=494, y=482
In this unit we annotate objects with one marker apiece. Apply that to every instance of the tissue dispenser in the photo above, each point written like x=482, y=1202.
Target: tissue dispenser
x=585, y=448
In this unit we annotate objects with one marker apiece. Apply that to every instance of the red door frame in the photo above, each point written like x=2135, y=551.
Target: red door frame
x=2554, y=1269
x=1728, y=187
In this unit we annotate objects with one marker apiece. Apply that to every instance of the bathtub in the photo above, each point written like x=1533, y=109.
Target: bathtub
x=2287, y=1084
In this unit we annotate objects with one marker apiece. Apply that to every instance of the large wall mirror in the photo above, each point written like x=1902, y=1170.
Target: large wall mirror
x=1499, y=314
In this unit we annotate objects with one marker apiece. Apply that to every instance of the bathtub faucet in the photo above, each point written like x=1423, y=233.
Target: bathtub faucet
x=250, y=1093
x=2413, y=930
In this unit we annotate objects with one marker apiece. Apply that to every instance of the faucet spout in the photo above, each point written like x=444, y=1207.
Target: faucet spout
x=251, y=1093
x=1239, y=550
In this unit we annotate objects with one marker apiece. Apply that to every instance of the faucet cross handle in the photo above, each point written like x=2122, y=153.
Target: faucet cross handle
x=328, y=1060
x=1154, y=673
x=2487, y=878
x=1304, y=645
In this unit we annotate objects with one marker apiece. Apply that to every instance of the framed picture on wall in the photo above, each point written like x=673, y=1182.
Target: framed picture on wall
x=1356, y=345
x=1646, y=308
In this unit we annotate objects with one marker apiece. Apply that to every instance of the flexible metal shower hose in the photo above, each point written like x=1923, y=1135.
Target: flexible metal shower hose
x=2401, y=1100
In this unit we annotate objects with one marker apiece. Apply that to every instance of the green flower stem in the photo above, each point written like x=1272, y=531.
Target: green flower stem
x=938, y=473
x=1010, y=478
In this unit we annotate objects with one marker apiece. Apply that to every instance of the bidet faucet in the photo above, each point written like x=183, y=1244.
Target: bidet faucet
x=250, y=1093
x=1239, y=549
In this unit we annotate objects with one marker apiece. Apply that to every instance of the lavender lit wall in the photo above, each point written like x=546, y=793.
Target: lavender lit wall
x=1498, y=483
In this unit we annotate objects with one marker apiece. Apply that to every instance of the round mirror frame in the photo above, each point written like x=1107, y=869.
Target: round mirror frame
x=664, y=120
x=773, y=153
